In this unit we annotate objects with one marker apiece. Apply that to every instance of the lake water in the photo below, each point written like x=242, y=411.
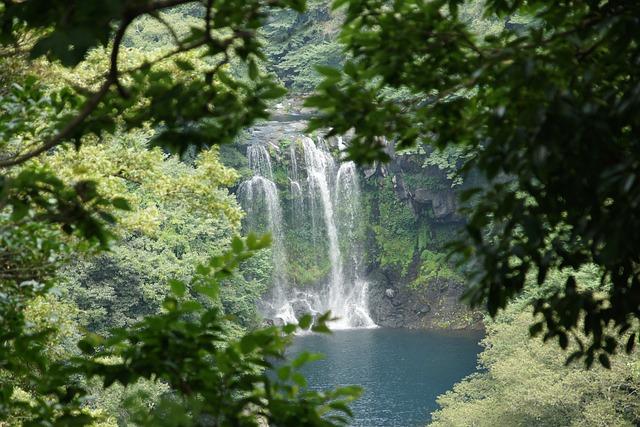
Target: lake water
x=402, y=371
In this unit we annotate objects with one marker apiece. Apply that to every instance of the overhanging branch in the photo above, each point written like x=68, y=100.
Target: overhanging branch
x=111, y=79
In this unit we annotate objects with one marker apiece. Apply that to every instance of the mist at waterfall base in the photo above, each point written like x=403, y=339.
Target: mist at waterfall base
x=325, y=199
x=401, y=371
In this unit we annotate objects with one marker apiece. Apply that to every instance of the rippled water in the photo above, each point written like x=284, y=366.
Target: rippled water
x=402, y=371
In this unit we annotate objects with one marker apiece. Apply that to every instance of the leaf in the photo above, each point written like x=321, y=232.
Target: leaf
x=264, y=242
x=631, y=342
x=248, y=343
x=273, y=92
x=284, y=373
x=563, y=340
x=330, y=72
x=299, y=379
x=20, y=210
x=170, y=304
x=289, y=328
x=121, y=203
x=252, y=241
x=342, y=407
x=212, y=290
x=90, y=341
x=306, y=357
x=338, y=3
x=184, y=65
x=573, y=356
x=253, y=69
x=177, y=287
x=237, y=244
x=604, y=360
x=321, y=328
x=305, y=321
x=191, y=306
x=535, y=329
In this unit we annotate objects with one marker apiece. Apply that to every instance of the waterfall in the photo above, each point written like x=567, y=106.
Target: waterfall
x=333, y=198
x=319, y=163
x=261, y=189
x=297, y=197
x=293, y=163
x=348, y=191
x=355, y=301
x=260, y=161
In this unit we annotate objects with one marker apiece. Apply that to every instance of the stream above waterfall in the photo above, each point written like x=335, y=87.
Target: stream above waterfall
x=402, y=371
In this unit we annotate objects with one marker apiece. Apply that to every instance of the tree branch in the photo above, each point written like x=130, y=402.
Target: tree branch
x=207, y=20
x=88, y=108
x=112, y=79
x=115, y=50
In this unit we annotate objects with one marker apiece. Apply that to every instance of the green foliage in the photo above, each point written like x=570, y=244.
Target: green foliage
x=450, y=160
x=145, y=90
x=180, y=215
x=231, y=157
x=434, y=268
x=524, y=382
x=311, y=264
x=549, y=110
x=395, y=233
x=177, y=357
x=296, y=43
x=185, y=363
x=161, y=32
x=187, y=347
x=421, y=179
x=37, y=194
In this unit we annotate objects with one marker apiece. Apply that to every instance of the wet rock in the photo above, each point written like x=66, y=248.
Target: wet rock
x=300, y=308
x=368, y=173
x=397, y=303
x=422, y=310
x=400, y=188
x=443, y=203
x=277, y=321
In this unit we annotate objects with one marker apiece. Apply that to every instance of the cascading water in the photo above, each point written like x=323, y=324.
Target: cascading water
x=261, y=189
x=319, y=163
x=347, y=191
x=355, y=299
x=260, y=161
x=332, y=196
x=297, y=198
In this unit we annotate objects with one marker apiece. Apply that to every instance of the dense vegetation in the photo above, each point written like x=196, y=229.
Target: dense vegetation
x=527, y=382
x=120, y=305
x=128, y=297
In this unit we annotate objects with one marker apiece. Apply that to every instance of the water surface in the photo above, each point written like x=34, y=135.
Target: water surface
x=402, y=371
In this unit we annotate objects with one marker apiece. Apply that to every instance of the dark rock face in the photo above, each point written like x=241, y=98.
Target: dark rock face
x=427, y=193
x=436, y=307
x=400, y=188
x=443, y=203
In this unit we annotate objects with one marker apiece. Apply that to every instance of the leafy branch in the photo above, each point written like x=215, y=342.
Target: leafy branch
x=240, y=24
